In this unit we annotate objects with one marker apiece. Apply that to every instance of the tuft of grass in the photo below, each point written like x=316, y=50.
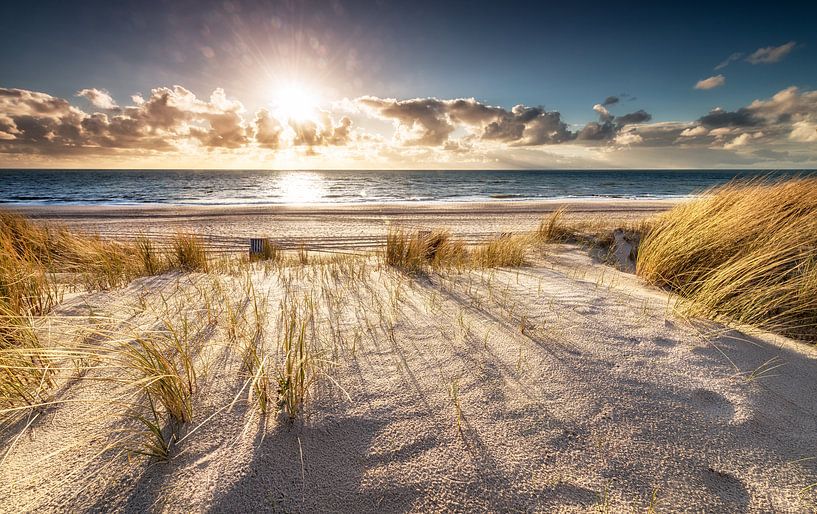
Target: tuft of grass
x=189, y=252
x=413, y=252
x=164, y=367
x=25, y=374
x=151, y=258
x=553, y=229
x=298, y=369
x=303, y=255
x=506, y=251
x=745, y=252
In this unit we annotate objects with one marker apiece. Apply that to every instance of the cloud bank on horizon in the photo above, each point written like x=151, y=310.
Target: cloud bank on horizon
x=341, y=84
x=172, y=123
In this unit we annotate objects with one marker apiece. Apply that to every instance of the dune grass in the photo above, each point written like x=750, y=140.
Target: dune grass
x=553, y=228
x=38, y=264
x=25, y=374
x=507, y=251
x=189, y=252
x=414, y=252
x=297, y=370
x=745, y=252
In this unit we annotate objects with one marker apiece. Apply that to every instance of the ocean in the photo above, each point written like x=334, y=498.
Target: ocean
x=230, y=187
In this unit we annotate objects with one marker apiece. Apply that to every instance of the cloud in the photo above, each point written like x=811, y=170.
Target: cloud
x=726, y=62
x=175, y=122
x=711, y=82
x=639, y=116
x=741, y=140
x=421, y=121
x=310, y=133
x=629, y=138
x=694, y=131
x=610, y=100
x=718, y=118
x=431, y=121
x=804, y=132
x=604, y=114
x=771, y=54
x=268, y=130
x=98, y=98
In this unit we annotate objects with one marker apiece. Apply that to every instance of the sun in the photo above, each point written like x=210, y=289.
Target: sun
x=296, y=102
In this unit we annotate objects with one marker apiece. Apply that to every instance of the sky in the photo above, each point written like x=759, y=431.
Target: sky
x=352, y=84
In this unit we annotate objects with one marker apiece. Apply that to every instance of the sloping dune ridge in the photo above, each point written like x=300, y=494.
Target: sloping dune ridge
x=565, y=385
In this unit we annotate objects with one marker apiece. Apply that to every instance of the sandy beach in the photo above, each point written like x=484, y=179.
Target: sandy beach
x=565, y=385
x=331, y=226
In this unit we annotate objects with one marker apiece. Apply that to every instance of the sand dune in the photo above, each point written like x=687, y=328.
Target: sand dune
x=562, y=386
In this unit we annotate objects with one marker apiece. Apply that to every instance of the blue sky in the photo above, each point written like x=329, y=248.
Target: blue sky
x=564, y=57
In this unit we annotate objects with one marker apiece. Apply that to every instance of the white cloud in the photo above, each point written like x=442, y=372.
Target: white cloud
x=628, y=138
x=733, y=57
x=804, y=132
x=742, y=140
x=771, y=54
x=711, y=82
x=98, y=98
x=695, y=131
x=173, y=123
x=603, y=112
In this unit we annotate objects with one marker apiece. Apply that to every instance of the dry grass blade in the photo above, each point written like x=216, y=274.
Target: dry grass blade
x=507, y=251
x=744, y=252
x=189, y=253
x=552, y=229
x=298, y=369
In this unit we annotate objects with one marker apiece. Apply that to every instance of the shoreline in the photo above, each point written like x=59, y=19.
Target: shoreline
x=578, y=205
x=339, y=227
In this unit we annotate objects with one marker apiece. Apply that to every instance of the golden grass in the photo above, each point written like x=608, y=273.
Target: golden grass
x=507, y=251
x=553, y=228
x=744, y=252
x=152, y=260
x=38, y=263
x=189, y=253
x=413, y=252
x=25, y=374
x=297, y=371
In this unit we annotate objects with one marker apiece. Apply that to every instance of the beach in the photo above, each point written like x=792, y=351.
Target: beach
x=335, y=226
x=563, y=385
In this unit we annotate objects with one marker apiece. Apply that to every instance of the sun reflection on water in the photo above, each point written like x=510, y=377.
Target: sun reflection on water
x=301, y=187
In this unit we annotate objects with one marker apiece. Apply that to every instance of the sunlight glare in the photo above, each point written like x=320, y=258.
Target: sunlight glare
x=301, y=187
x=296, y=102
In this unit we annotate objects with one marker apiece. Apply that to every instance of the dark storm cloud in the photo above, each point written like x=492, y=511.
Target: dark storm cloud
x=610, y=100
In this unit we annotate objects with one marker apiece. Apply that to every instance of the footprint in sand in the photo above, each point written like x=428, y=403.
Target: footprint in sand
x=713, y=404
x=730, y=492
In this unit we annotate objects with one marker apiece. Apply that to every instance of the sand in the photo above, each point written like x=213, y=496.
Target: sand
x=333, y=227
x=578, y=388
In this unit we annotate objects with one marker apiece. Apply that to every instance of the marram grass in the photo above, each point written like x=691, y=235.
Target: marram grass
x=416, y=251
x=744, y=252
